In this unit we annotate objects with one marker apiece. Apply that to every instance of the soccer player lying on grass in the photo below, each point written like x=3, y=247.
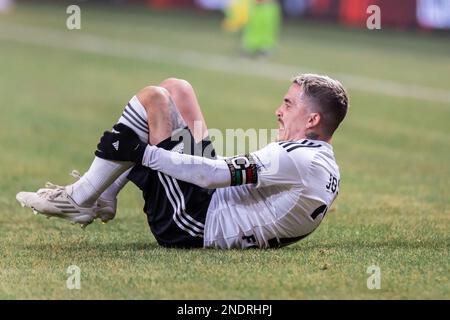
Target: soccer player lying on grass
x=269, y=198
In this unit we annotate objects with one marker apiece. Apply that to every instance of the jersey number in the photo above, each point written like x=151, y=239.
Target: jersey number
x=333, y=184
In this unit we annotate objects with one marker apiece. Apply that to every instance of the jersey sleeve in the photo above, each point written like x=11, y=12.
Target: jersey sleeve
x=203, y=172
x=275, y=166
x=267, y=166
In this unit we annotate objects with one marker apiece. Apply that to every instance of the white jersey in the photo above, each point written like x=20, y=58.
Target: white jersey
x=297, y=181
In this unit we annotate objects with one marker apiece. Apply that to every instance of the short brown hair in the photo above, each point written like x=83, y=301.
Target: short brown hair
x=328, y=98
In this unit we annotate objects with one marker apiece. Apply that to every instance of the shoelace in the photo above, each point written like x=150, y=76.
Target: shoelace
x=52, y=190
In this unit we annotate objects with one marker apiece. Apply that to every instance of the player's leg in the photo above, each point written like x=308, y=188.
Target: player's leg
x=154, y=113
x=162, y=119
x=185, y=99
x=104, y=179
x=182, y=95
x=163, y=116
x=107, y=202
x=176, y=210
x=153, y=116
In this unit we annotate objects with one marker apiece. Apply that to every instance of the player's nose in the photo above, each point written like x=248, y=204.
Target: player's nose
x=278, y=112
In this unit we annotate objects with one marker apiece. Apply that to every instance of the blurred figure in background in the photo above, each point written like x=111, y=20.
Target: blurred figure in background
x=236, y=15
x=6, y=6
x=260, y=34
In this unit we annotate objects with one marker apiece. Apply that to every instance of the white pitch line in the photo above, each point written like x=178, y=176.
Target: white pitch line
x=76, y=40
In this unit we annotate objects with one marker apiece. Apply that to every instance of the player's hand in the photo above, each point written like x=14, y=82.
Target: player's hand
x=121, y=144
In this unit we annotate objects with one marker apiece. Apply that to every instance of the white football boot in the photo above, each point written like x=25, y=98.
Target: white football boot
x=56, y=201
x=105, y=209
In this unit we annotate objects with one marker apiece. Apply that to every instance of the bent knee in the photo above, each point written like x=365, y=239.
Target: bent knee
x=153, y=95
x=177, y=86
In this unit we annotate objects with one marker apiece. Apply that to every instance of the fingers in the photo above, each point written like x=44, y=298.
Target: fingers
x=109, y=136
x=124, y=130
x=121, y=127
x=100, y=154
x=103, y=145
x=108, y=146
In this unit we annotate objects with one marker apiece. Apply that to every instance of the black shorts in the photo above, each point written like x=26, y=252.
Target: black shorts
x=176, y=210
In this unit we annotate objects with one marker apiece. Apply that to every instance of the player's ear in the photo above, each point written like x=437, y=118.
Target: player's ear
x=313, y=120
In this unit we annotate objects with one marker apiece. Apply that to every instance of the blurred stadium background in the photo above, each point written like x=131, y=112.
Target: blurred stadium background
x=60, y=88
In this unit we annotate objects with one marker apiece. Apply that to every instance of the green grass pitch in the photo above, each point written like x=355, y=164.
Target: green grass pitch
x=393, y=150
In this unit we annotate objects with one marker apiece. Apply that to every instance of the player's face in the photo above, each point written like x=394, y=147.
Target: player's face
x=292, y=115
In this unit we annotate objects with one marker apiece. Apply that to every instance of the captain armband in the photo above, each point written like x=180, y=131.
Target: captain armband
x=243, y=170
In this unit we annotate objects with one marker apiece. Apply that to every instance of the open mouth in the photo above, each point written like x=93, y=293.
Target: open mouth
x=280, y=125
